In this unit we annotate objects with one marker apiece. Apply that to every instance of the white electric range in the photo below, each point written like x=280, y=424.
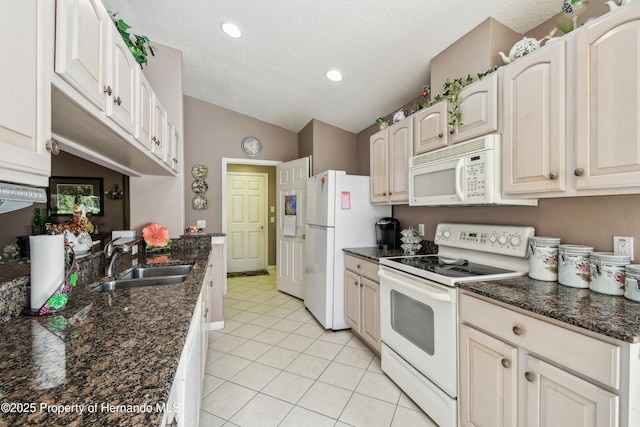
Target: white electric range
x=418, y=307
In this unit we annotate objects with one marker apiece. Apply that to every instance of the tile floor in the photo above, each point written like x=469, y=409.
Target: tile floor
x=274, y=365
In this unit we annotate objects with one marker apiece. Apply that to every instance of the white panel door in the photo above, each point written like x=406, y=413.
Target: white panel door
x=246, y=210
x=292, y=180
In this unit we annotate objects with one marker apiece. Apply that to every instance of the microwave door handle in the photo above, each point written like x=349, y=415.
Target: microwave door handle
x=459, y=178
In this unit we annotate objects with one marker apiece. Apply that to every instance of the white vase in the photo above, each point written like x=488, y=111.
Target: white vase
x=81, y=243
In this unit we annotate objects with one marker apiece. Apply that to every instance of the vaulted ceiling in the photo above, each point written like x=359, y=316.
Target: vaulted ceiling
x=276, y=71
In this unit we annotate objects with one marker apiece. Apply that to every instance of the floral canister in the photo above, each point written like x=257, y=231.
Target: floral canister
x=573, y=265
x=632, y=282
x=608, y=272
x=543, y=258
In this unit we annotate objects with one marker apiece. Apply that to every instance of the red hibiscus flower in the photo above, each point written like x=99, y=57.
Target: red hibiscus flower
x=155, y=235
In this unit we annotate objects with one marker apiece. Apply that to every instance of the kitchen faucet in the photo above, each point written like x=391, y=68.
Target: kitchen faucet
x=111, y=251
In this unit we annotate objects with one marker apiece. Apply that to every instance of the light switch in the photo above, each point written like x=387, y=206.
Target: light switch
x=273, y=220
x=202, y=223
x=272, y=209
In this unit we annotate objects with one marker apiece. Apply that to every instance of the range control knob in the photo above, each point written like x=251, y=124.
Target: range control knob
x=439, y=232
x=493, y=238
x=502, y=240
x=447, y=234
x=515, y=240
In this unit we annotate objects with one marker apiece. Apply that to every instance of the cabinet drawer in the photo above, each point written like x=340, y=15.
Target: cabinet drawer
x=365, y=268
x=593, y=358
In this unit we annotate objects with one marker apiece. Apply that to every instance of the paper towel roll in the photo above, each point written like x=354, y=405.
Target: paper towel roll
x=47, y=267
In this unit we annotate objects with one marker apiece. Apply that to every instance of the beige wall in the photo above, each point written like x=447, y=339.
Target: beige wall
x=271, y=201
x=153, y=198
x=18, y=223
x=211, y=133
x=329, y=147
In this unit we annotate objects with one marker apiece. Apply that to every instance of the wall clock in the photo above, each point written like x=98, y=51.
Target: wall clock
x=251, y=146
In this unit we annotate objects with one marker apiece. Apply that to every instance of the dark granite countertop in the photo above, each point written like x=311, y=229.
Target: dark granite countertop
x=106, y=348
x=613, y=316
x=374, y=254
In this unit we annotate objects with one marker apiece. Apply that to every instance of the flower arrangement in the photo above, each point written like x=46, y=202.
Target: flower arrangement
x=78, y=224
x=156, y=237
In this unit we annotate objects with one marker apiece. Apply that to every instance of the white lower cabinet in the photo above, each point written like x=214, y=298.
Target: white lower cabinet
x=520, y=370
x=183, y=406
x=362, y=299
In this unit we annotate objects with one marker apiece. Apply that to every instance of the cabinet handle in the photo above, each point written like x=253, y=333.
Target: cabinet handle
x=117, y=101
x=529, y=376
x=440, y=135
x=553, y=175
x=578, y=172
x=361, y=285
x=451, y=131
x=107, y=90
x=211, y=283
x=358, y=266
x=205, y=313
x=175, y=160
x=506, y=363
x=517, y=330
x=384, y=194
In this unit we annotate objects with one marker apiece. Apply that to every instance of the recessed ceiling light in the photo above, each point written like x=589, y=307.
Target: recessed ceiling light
x=334, y=75
x=231, y=30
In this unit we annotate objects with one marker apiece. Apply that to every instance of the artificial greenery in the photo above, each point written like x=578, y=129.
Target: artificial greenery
x=140, y=46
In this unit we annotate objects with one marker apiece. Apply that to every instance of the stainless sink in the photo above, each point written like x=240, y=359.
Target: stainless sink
x=167, y=270
x=148, y=276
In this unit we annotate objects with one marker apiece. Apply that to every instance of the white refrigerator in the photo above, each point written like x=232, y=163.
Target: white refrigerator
x=339, y=215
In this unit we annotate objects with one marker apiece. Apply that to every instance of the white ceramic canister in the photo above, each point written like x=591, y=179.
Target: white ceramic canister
x=607, y=272
x=543, y=258
x=573, y=265
x=632, y=282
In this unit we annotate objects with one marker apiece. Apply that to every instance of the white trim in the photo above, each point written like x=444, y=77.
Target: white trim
x=223, y=215
x=214, y=326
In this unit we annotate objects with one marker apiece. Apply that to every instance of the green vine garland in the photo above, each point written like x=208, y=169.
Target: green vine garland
x=140, y=46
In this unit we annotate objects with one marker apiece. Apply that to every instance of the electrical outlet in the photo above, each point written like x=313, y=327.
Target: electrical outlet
x=420, y=229
x=202, y=223
x=623, y=245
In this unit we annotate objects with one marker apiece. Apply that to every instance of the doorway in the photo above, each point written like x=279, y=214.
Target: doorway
x=250, y=166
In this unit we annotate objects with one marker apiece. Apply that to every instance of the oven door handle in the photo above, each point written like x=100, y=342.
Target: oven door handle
x=435, y=294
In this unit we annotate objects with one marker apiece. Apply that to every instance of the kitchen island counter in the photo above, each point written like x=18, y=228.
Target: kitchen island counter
x=614, y=316
x=111, y=357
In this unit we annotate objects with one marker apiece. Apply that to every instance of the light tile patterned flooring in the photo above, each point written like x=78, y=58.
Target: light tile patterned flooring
x=274, y=365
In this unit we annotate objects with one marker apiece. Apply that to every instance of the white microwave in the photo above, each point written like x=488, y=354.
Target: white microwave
x=468, y=173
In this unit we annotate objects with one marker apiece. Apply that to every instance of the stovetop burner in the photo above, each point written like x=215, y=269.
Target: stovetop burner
x=450, y=267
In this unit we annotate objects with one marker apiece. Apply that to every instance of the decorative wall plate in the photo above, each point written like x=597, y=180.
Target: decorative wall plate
x=199, y=172
x=200, y=203
x=199, y=186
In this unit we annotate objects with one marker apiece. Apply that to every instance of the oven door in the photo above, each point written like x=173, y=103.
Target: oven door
x=437, y=184
x=418, y=321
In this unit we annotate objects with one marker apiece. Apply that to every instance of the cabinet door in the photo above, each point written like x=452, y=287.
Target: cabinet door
x=25, y=110
x=400, y=140
x=558, y=398
x=370, y=313
x=607, y=103
x=488, y=380
x=145, y=112
x=82, y=30
x=379, y=167
x=479, y=105
x=533, y=138
x=430, y=130
x=159, y=137
x=121, y=104
x=352, y=300
x=176, y=149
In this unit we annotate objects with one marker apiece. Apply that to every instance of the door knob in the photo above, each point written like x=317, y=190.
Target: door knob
x=578, y=172
x=506, y=363
x=529, y=376
x=261, y=227
x=107, y=90
x=553, y=175
x=517, y=330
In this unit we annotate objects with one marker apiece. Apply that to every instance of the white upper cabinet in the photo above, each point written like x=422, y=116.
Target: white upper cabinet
x=534, y=133
x=607, y=106
x=144, y=111
x=122, y=105
x=26, y=28
x=159, y=133
x=430, y=130
x=390, y=150
x=82, y=45
x=479, y=106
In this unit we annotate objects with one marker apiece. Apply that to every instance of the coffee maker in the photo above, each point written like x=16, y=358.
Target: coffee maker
x=387, y=233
